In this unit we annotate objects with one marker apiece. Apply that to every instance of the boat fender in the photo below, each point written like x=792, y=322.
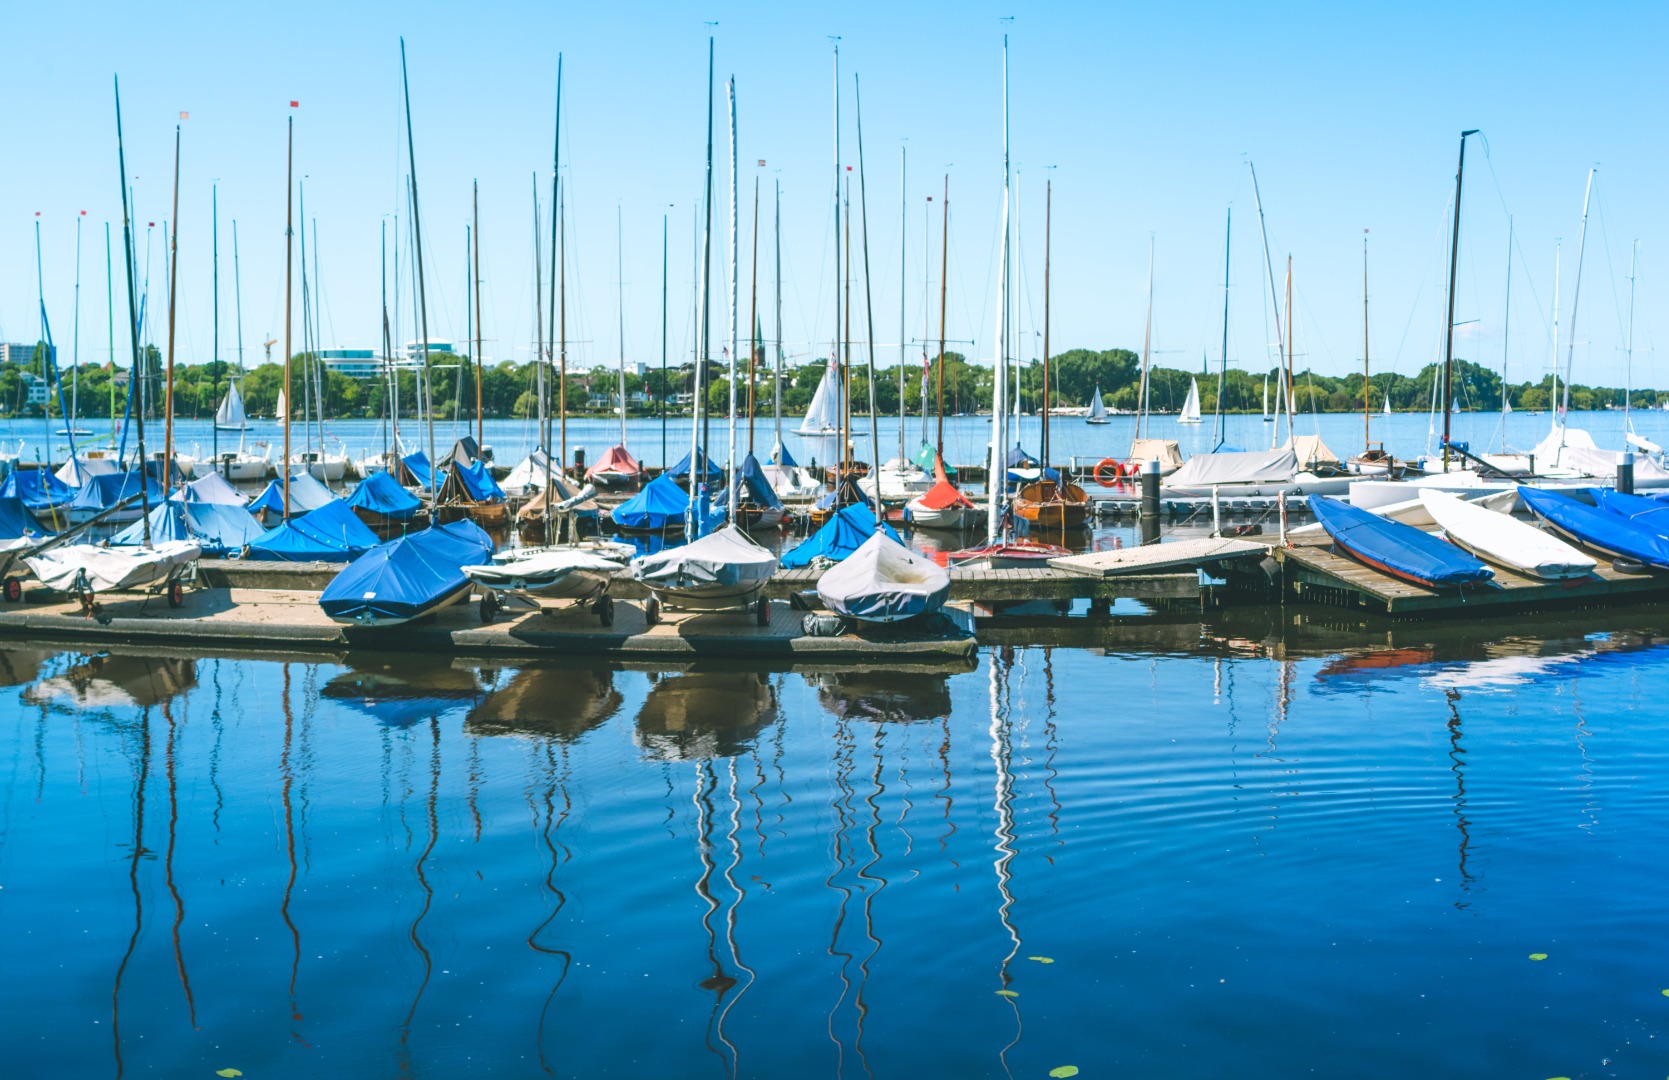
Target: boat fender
x=1630, y=566
x=1108, y=472
x=823, y=625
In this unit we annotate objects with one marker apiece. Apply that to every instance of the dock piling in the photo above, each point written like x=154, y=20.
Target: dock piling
x=1625, y=472
x=1150, y=501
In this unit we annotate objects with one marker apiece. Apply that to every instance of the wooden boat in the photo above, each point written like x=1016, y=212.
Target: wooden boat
x=1504, y=540
x=1399, y=550
x=1051, y=504
x=1011, y=554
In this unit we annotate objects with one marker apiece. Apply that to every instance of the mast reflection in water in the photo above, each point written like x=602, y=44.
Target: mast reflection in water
x=1106, y=859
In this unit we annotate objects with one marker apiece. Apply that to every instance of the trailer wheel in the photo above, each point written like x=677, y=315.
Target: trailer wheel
x=762, y=612
x=489, y=606
x=14, y=590
x=652, y=611
x=176, y=594
x=604, y=610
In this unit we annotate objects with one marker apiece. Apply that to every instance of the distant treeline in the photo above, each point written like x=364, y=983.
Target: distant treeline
x=509, y=390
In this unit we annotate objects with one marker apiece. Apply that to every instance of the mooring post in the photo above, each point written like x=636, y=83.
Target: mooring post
x=1625, y=472
x=1216, y=513
x=1150, y=501
x=1282, y=496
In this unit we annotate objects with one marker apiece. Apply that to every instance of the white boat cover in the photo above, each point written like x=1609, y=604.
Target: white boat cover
x=210, y=488
x=543, y=568
x=1640, y=443
x=884, y=581
x=1311, y=451
x=1602, y=465
x=612, y=550
x=529, y=476
x=1165, y=451
x=725, y=557
x=110, y=568
x=78, y=470
x=792, y=481
x=900, y=479
x=1551, y=452
x=1237, y=467
x=1505, y=540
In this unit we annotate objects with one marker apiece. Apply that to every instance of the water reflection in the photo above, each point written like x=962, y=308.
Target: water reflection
x=115, y=681
x=1504, y=664
x=557, y=703
x=705, y=714
x=400, y=692
x=894, y=695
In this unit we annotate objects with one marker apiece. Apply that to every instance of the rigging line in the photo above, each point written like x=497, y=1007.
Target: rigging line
x=1610, y=264
x=1518, y=244
x=1414, y=308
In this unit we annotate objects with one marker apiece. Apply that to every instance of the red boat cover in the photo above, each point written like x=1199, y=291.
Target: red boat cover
x=616, y=460
x=944, y=495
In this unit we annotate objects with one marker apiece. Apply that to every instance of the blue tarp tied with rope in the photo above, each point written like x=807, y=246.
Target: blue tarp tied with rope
x=39, y=489
x=332, y=533
x=381, y=494
x=220, y=530
x=839, y=537
x=405, y=578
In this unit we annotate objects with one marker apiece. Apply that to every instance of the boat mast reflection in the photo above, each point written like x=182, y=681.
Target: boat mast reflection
x=137, y=852
x=1457, y=759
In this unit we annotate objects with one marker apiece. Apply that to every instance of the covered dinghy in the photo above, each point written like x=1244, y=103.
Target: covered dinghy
x=1399, y=550
x=942, y=506
x=529, y=475
x=38, y=489
x=382, y=496
x=843, y=534
x=218, y=529
x=1650, y=514
x=108, y=569
x=332, y=533
x=660, y=506
x=884, y=581
x=307, y=493
x=1205, y=471
x=102, y=493
x=408, y=578
x=681, y=471
x=616, y=466
x=1601, y=529
x=722, y=571
x=756, y=486
x=211, y=488
x=1164, y=451
x=1311, y=452
x=81, y=468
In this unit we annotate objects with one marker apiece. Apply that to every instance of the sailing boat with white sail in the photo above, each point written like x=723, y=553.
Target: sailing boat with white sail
x=1097, y=409
x=230, y=416
x=1191, y=407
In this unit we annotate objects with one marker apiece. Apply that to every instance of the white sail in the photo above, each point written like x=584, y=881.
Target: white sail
x=1191, y=407
x=283, y=409
x=1387, y=403
x=230, y=417
x=1097, y=409
x=1506, y=405
x=823, y=417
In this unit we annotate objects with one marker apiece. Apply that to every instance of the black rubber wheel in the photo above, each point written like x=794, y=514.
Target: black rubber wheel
x=762, y=612
x=176, y=594
x=652, y=611
x=14, y=590
x=604, y=610
x=490, y=604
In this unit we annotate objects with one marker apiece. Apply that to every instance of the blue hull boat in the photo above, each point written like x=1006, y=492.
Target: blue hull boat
x=408, y=578
x=1604, y=528
x=1397, y=549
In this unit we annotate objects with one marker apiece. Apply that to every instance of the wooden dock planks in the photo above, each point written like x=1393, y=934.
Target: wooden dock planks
x=1152, y=558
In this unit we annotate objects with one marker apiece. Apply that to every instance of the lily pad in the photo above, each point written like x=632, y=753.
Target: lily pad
x=1042, y=959
x=1007, y=993
x=1538, y=956
x=1064, y=1070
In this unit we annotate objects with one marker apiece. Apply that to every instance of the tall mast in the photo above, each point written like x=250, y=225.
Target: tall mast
x=662, y=395
x=733, y=473
x=173, y=288
x=1367, y=394
x=776, y=402
x=237, y=303
x=1223, y=367
x=110, y=325
x=753, y=313
x=1147, y=341
x=869, y=316
x=475, y=207
x=1291, y=390
x=560, y=284
x=903, y=219
x=1048, y=226
x=133, y=318
x=1553, y=402
x=994, y=481
x=1449, y=325
x=695, y=516
x=422, y=295
x=75, y=344
x=1506, y=327
x=541, y=355
x=560, y=452
x=289, y=276
x=48, y=362
x=1269, y=267
x=387, y=354
x=1628, y=356
x=1575, y=298
x=944, y=264
x=620, y=313
x=214, y=220
x=839, y=282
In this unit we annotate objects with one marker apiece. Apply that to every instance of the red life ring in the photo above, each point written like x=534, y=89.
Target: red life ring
x=1112, y=466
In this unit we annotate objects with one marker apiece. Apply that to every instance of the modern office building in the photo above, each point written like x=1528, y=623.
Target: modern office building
x=354, y=363
x=14, y=353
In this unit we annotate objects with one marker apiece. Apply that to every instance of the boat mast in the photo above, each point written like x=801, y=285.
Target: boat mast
x=422, y=296
x=869, y=316
x=753, y=314
x=944, y=264
x=662, y=395
x=733, y=474
x=214, y=240
x=475, y=206
x=237, y=303
x=1147, y=341
x=541, y=358
x=110, y=325
x=173, y=286
x=1576, y=299
x=620, y=313
x=838, y=280
x=1506, y=327
x=903, y=221
x=994, y=481
x=694, y=516
x=387, y=350
x=1269, y=268
x=1628, y=355
x=1048, y=225
x=289, y=276
x=1367, y=393
x=561, y=453
x=75, y=347
x=1223, y=367
x=1449, y=325
x=133, y=317
x=48, y=362
x=1291, y=375
x=776, y=404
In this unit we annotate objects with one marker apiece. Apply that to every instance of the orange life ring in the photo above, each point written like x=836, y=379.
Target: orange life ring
x=1114, y=467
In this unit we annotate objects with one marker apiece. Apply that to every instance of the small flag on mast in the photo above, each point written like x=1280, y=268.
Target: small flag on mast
x=185, y=116
x=295, y=104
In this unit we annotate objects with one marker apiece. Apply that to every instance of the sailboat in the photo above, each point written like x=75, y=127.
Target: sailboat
x=1191, y=408
x=1373, y=460
x=617, y=467
x=230, y=416
x=1097, y=409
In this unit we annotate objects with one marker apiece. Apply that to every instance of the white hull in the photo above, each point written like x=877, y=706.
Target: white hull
x=329, y=468
x=246, y=469
x=955, y=518
x=1301, y=484
x=1506, y=541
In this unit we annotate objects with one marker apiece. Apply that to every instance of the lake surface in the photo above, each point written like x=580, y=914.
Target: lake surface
x=1267, y=845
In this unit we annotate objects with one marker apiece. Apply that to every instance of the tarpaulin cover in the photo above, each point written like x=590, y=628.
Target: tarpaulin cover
x=102, y=492
x=418, y=465
x=943, y=495
x=16, y=520
x=884, y=581
x=1311, y=451
x=839, y=537
x=714, y=473
x=661, y=503
x=1650, y=514
x=404, y=578
x=1249, y=467
x=725, y=557
x=211, y=488
x=78, y=470
x=1602, y=465
x=927, y=457
x=109, y=568
x=1020, y=459
x=1398, y=549
x=218, y=529
x=530, y=474
x=1164, y=451
x=470, y=483
x=332, y=533
x=465, y=451
x=781, y=456
x=1607, y=530
x=39, y=489
x=307, y=493
x=757, y=486
x=618, y=460
x=380, y=493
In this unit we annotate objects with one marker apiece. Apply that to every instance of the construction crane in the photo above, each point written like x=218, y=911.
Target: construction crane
x=267, y=345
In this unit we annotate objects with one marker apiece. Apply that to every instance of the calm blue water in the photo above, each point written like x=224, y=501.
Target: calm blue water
x=1268, y=848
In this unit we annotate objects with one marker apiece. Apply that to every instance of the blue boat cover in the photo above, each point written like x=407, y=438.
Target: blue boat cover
x=682, y=469
x=755, y=486
x=1650, y=514
x=1019, y=459
x=469, y=482
x=839, y=537
x=660, y=504
x=332, y=533
x=16, y=521
x=220, y=530
x=1605, y=530
x=1398, y=549
x=404, y=577
x=38, y=489
x=307, y=493
x=418, y=465
x=381, y=494
x=781, y=456
x=100, y=493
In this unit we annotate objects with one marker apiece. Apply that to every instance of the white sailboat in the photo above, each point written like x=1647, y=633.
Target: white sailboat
x=1097, y=409
x=1191, y=407
x=230, y=415
x=822, y=419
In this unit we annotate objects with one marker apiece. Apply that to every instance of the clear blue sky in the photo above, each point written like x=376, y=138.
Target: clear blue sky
x=1144, y=116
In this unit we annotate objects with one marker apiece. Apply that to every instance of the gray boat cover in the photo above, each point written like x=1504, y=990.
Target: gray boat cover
x=1311, y=451
x=725, y=557
x=1165, y=451
x=884, y=581
x=109, y=569
x=538, y=569
x=1237, y=467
